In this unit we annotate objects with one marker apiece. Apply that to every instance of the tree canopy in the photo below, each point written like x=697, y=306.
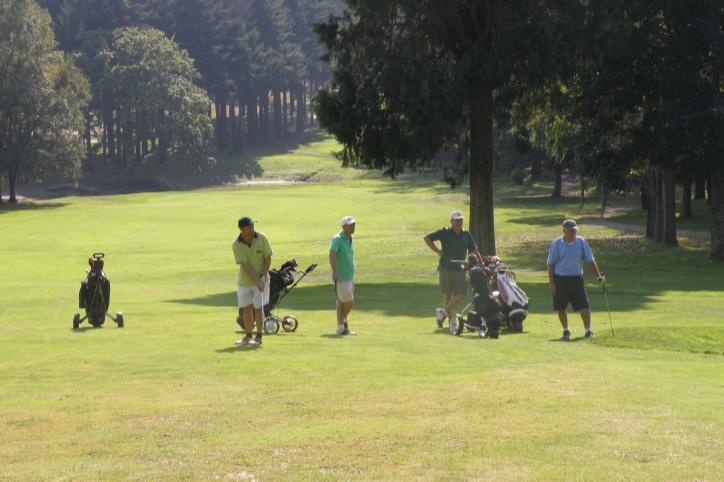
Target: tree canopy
x=412, y=79
x=42, y=98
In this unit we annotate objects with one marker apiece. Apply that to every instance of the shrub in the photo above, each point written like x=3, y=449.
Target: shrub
x=518, y=176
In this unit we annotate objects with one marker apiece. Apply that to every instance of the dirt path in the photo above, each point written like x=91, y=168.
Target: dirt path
x=640, y=229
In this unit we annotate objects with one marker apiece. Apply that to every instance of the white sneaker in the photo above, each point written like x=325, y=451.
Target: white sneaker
x=440, y=315
x=347, y=332
x=341, y=329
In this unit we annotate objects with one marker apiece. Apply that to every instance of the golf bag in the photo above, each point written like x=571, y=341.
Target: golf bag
x=95, y=295
x=485, y=319
x=513, y=301
x=281, y=282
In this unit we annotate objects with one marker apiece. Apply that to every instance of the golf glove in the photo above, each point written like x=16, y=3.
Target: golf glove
x=601, y=279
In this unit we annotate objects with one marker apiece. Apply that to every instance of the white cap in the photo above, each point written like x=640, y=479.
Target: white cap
x=347, y=220
x=456, y=215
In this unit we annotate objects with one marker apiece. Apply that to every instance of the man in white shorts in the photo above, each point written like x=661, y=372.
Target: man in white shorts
x=252, y=253
x=341, y=258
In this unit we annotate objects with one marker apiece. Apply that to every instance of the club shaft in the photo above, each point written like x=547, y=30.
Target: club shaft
x=609, y=310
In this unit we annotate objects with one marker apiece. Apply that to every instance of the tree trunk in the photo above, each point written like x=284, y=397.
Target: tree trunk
x=88, y=146
x=716, y=203
x=700, y=187
x=648, y=184
x=128, y=147
x=669, y=208
x=239, y=126
x=264, y=111
x=643, y=189
x=277, y=119
x=104, y=140
x=311, y=94
x=232, y=126
x=558, y=175
x=659, y=224
x=536, y=168
x=120, y=140
x=284, y=113
x=292, y=108
x=686, y=198
x=708, y=189
x=111, y=126
x=482, y=221
x=301, y=109
x=12, y=177
x=223, y=127
x=251, y=119
x=138, y=139
x=162, y=137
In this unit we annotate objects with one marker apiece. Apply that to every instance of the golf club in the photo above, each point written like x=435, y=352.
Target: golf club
x=609, y=309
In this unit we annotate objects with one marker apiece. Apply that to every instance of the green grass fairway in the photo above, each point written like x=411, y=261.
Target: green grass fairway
x=170, y=397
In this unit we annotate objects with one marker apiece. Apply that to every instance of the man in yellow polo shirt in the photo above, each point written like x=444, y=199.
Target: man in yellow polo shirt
x=252, y=253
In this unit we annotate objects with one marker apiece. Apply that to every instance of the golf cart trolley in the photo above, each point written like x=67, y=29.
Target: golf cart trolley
x=95, y=296
x=513, y=301
x=281, y=282
x=497, y=299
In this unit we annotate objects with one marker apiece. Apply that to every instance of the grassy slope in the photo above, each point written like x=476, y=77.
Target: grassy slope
x=170, y=397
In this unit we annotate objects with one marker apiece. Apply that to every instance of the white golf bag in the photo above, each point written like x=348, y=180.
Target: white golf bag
x=513, y=301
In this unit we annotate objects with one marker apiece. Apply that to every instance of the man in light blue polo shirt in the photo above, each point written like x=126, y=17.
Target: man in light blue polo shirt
x=565, y=276
x=341, y=259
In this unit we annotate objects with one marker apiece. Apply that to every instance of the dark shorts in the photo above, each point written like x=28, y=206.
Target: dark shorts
x=569, y=289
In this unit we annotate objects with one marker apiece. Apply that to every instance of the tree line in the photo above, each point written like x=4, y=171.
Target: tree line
x=620, y=89
x=158, y=71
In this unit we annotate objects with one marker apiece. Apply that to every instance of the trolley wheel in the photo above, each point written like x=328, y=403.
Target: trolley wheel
x=290, y=323
x=481, y=333
x=456, y=324
x=76, y=321
x=119, y=319
x=517, y=326
x=271, y=326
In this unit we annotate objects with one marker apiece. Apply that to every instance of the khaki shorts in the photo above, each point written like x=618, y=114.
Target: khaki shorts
x=453, y=282
x=345, y=291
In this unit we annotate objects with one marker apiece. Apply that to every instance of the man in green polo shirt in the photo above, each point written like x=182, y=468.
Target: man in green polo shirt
x=456, y=243
x=252, y=253
x=341, y=259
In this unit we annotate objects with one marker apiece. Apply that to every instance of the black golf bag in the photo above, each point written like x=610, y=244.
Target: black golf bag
x=281, y=282
x=485, y=319
x=487, y=309
x=95, y=295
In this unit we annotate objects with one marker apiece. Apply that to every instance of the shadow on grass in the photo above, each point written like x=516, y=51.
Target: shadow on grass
x=29, y=206
x=239, y=348
x=392, y=299
x=418, y=300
